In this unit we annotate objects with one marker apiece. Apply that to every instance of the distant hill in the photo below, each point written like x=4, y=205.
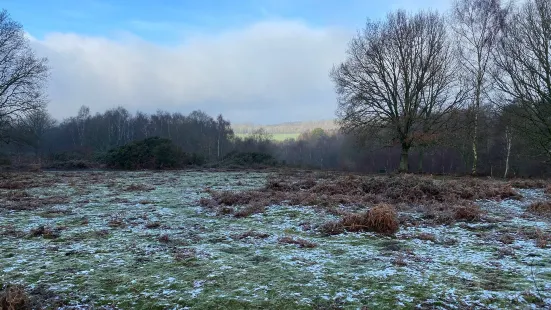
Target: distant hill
x=290, y=128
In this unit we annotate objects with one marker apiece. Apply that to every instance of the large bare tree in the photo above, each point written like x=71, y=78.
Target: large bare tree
x=22, y=75
x=523, y=72
x=400, y=76
x=476, y=27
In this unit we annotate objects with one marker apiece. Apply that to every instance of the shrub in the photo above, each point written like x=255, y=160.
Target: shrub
x=150, y=153
x=248, y=159
x=4, y=161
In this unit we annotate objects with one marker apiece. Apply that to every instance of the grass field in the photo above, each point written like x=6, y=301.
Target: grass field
x=174, y=240
x=276, y=137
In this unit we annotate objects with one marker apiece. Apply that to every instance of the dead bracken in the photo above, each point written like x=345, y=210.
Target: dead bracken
x=14, y=297
x=452, y=198
x=302, y=243
x=541, y=208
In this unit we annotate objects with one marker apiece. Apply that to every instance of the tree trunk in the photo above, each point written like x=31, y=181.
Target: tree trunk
x=404, y=168
x=421, y=155
x=218, y=148
x=475, y=130
x=508, y=139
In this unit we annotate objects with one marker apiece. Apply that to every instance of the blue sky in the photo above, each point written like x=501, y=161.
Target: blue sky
x=168, y=20
x=262, y=61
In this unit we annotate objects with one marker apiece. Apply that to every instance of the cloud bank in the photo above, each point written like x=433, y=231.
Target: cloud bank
x=267, y=72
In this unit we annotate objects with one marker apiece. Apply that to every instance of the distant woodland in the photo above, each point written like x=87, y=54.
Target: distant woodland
x=468, y=92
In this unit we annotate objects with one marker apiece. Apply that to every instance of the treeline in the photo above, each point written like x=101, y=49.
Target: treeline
x=85, y=140
x=463, y=93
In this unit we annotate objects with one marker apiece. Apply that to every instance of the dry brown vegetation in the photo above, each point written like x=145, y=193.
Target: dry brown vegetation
x=529, y=183
x=152, y=225
x=14, y=297
x=138, y=188
x=300, y=242
x=440, y=200
x=381, y=219
x=541, y=208
x=426, y=237
x=116, y=221
x=250, y=234
x=356, y=190
x=46, y=232
x=542, y=239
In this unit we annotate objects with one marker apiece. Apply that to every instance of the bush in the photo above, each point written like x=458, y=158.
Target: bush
x=248, y=159
x=151, y=153
x=4, y=161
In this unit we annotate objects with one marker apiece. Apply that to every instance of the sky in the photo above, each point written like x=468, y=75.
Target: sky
x=253, y=61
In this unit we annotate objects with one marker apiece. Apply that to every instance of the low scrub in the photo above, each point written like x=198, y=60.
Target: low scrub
x=248, y=159
x=468, y=213
x=529, y=183
x=151, y=153
x=76, y=164
x=441, y=201
x=541, y=208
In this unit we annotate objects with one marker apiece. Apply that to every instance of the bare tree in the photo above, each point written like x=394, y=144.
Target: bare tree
x=523, y=74
x=223, y=128
x=476, y=26
x=400, y=75
x=34, y=126
x=22, y=75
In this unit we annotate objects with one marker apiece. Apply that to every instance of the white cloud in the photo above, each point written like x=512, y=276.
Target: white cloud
x=268, y=72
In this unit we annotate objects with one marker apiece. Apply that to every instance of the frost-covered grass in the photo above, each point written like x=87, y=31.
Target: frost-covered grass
x=139, y=240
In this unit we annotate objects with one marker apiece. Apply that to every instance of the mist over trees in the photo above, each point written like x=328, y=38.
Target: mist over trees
x=467, y=92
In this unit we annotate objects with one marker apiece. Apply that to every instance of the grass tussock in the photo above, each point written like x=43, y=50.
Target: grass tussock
x=541, y=208
x=302, y=243
x=14, y=297
x=381, y=219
